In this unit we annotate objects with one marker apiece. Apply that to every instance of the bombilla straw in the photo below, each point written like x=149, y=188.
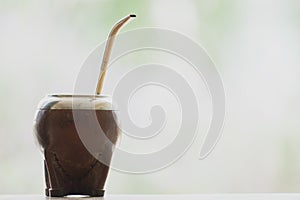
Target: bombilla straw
x=108, y=49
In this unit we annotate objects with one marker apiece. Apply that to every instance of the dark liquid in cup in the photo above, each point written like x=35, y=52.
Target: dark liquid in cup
x=69, y=167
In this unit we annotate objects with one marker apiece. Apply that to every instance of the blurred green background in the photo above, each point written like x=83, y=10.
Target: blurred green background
x=254, y=43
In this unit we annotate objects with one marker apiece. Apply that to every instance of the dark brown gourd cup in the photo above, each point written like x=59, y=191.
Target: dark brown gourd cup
x=77, y=134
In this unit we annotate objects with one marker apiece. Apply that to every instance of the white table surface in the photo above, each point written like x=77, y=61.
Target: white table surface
x=269, y=196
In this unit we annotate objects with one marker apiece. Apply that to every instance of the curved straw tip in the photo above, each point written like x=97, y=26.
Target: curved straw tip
x=132, y=15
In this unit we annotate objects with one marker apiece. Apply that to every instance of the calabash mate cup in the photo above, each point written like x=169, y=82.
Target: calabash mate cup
x=77, y=135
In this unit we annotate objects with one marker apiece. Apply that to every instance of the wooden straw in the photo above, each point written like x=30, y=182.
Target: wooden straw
x=108, y=49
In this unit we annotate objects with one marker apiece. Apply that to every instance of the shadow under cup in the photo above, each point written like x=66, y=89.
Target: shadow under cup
x=77, y=135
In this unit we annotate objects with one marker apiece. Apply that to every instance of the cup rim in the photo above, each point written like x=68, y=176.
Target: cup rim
x=75, y=101
x=62, y=95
